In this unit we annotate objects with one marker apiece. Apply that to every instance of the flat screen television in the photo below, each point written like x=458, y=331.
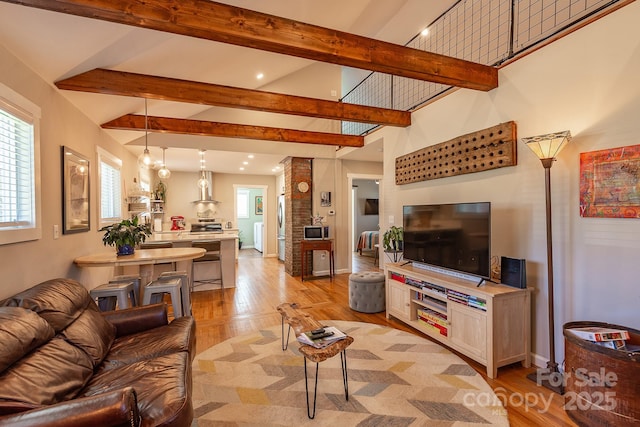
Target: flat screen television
x=371, y=206
x=454, y=236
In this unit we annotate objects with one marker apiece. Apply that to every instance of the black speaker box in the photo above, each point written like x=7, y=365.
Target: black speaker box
x=513, y=272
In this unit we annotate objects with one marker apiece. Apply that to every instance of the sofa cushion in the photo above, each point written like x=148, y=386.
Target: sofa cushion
x=163, y=386
x=21, y=331
x=92, y=333
x=58, y=301
x=177, y=336
x=54, y=372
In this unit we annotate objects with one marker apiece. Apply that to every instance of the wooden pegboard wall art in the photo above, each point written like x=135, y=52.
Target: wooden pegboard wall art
x=479, y=151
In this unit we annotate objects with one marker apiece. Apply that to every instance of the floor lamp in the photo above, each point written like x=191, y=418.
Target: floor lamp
x=547, y=148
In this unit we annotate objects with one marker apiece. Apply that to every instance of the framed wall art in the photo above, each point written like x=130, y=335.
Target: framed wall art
x=259, y=208
x=325, y=198
x=610, y=183
x=75, y=192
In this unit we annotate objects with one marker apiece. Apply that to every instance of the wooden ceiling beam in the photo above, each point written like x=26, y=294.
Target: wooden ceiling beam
x=230, y=130
x=228, y=24
x=168, y=89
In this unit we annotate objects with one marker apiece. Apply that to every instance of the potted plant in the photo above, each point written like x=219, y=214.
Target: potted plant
x=392, y=239
x=392, y=242
x=125, y=235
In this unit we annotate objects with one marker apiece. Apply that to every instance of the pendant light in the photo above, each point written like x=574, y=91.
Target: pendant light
x=145, y=157
x=202, y=182
x=163, y=172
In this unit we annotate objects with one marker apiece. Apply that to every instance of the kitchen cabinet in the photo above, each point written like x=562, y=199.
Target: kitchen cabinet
x=228, y=248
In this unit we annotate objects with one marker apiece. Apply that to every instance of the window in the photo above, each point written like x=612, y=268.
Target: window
x=19, y=168
x=110, y=188
x=242, y=200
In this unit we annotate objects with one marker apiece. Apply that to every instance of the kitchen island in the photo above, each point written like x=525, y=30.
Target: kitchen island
x=228, y=249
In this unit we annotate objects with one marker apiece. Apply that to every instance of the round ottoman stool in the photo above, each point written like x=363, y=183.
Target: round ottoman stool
x=366, y=292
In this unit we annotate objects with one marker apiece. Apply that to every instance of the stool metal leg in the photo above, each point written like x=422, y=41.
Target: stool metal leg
x=311, y=414
x=107, y=303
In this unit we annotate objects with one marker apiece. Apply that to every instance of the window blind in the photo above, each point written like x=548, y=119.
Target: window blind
x=17, y=194
x=110, y=192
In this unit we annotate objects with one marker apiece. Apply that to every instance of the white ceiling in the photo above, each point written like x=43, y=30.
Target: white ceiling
x=58, y=46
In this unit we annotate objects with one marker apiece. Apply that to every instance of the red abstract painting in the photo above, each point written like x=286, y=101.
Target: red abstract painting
x=609, y=183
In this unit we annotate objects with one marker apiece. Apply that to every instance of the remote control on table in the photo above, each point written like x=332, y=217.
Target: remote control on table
x=323, y=335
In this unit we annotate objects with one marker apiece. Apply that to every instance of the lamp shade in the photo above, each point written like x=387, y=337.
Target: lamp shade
x=144, y=159
x=164, y=172
x=548, y=146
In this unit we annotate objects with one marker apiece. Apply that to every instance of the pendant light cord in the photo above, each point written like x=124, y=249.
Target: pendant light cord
x=146, y=126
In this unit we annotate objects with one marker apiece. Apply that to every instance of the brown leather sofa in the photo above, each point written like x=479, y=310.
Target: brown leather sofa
x=64, y=363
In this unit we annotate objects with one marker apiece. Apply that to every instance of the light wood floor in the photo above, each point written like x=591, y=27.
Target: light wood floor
x=262, y=284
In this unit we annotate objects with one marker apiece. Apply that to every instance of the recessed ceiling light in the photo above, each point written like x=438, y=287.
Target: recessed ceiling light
x=259, y=76
x=241, y=168
x=250, y=156
x=424, y=32
x=245, y=163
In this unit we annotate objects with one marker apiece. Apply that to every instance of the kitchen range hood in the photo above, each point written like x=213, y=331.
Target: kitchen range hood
x=205, y=187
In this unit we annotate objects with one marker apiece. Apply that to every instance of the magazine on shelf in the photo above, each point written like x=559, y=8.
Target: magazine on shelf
x=329, y=335
x=615, y=344
x=598, y=334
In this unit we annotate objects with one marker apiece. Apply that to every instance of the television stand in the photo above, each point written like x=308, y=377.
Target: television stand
x=489, y=324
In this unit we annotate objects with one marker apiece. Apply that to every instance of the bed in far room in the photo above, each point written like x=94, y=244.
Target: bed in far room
x=367, y=241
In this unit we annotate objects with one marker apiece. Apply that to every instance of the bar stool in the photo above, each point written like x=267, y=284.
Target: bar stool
x=185, y=288
x=213, y=255
x=154, y=292
x=136, y=284
x=108, y=294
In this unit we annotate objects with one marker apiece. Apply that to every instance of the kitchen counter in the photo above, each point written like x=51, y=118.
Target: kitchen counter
x=187, y=236
x=228, y=249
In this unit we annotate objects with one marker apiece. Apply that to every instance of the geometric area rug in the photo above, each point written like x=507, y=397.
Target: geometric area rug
x=395, y=379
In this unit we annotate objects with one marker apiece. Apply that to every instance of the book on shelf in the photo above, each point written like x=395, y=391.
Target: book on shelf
x=598, y=334
x=433, y=326
x=433, y=315
x=330, y=335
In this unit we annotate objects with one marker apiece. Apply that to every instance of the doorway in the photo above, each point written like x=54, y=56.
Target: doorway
x=363, y=188
x=251, y=219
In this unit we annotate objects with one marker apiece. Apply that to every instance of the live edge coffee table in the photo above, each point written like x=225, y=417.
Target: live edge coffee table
x=302, y=322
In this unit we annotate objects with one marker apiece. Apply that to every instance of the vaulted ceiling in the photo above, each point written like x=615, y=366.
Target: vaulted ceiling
x=196, y=63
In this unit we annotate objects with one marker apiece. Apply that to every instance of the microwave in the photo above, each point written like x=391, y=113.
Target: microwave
x=316, y=232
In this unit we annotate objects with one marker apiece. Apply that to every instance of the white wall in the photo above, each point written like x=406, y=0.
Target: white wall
x=26, y=264
x=333, y=175
x=588, y=83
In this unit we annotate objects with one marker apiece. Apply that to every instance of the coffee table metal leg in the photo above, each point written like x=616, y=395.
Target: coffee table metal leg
x=310, y=414
x=343, y=362
x=285, y=344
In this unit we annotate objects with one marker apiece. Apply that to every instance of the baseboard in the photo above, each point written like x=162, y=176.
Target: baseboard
x=538, y=361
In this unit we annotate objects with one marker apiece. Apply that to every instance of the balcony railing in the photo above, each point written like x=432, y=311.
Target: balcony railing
x=488, y=32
